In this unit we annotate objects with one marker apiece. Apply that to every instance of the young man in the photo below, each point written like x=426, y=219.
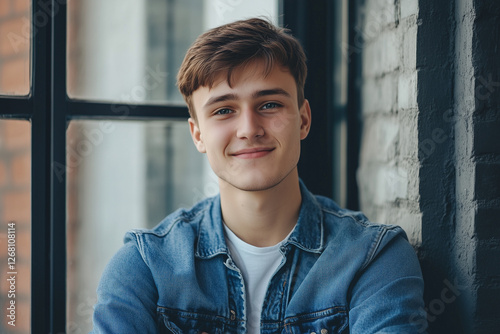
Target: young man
x=265, y=255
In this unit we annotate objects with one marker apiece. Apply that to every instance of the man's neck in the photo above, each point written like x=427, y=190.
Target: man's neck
x=262, y=218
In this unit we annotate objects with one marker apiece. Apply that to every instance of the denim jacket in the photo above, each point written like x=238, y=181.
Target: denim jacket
x=340, y=273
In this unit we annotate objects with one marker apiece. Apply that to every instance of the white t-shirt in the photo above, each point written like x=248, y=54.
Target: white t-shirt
x=257, y=265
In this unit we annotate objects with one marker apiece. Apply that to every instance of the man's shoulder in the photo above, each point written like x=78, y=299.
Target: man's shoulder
x=353, y=224
x=331, y=208
x=181, y=220
x=351, y=235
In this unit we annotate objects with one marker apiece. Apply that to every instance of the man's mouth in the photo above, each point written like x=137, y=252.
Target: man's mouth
x=252, y=153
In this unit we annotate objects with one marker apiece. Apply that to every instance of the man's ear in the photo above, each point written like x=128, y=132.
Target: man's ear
x=305, y=119
x=196, y=135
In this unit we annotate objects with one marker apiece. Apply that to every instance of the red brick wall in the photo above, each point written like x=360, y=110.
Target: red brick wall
x=14, y=47
x=15, y=206
x=15, y=165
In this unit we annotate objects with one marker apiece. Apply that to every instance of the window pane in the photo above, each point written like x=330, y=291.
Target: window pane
x=15, y=226
x=130, y=51
x=15, y=36
x=122, y=175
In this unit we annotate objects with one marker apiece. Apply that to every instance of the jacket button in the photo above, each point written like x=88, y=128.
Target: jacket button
x=313, y=332
x=324, y=331
x=233, y=315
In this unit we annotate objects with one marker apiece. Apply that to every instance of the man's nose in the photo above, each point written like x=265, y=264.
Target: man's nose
x=249, y=124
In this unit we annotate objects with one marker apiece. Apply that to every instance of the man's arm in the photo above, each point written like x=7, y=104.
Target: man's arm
x=126, y=296
x=388, y=296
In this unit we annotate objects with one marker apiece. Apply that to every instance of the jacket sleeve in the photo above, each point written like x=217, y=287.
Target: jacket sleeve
x=387, y=297
x=126, y=295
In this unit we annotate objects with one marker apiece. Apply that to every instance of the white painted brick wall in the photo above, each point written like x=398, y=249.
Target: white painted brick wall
x=381, y=93
x=378, y=57
x=388, y=171
x=408, y=8
x=407, y=90
x=378, y=15
x=408, y=135
x=380, y=136
x=409, y=52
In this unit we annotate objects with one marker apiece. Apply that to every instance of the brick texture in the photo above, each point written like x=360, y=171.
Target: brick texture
x=487, y=136
x=485, y=122
x=389, y=146
x=383, y=89
x=21, y=6
x=14, y=47
x=489, y=296
x=408, y=8
x=487, y=184
x=21, y=168
x=22, y=318
x=15, y=76
x=488, y=223
x=16, y=135
x=3, y=174
x=4, y=8
x=9, y=31
x=15, y=205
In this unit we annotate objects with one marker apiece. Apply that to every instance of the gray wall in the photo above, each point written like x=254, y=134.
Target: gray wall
x=430, y=155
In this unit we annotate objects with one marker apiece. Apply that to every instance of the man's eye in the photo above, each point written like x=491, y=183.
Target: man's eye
x=223, y=112
x=271, y=105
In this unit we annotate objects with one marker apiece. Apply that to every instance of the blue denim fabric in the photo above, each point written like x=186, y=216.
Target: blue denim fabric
x=340, y=274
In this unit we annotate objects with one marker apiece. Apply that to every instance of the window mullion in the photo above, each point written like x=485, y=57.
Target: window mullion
x=119, y=111
x=15, y=107
x=40, y=248
x=58, y=169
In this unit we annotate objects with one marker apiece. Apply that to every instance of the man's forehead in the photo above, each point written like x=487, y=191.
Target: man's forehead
x=248, y=82
x=254, y=70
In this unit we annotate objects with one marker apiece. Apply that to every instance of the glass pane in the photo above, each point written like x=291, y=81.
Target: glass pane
x=122, y=175
x=15, y=39
x=130, y=51
x=15, y=226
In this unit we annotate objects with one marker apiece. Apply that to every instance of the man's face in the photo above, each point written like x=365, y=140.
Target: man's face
x=251, y=132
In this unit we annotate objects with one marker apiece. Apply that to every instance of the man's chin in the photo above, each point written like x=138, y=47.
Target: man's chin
x=249, y=186
x=252, y=184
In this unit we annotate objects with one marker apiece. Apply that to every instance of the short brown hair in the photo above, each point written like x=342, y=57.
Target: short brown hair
x=223, y=49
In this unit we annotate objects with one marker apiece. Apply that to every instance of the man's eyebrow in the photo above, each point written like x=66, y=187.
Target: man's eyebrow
x=221, y=98
x=274, y=91
x=260, y=93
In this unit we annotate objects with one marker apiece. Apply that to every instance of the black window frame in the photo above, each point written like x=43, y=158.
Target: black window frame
x=49, y=109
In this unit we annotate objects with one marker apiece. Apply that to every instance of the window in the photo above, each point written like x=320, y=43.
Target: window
x=15, y=35
x=122, y=173
x=15, y=218
x=107, y=135
x=15, y=167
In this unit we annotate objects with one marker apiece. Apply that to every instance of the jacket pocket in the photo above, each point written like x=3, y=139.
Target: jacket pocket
x=329, y=321
x=181, y=322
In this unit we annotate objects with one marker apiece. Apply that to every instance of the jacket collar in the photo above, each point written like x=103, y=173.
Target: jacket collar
x=307, y=235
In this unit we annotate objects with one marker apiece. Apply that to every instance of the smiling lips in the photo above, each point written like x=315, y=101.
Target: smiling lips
x=252, y=153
